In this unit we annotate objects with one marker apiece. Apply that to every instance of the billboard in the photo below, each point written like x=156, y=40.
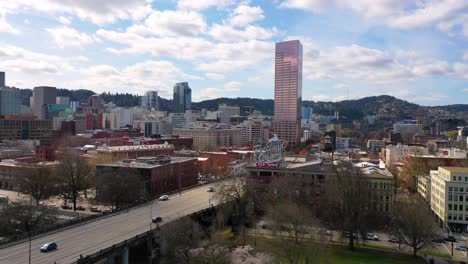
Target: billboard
x=269, y=155
x=329, y=141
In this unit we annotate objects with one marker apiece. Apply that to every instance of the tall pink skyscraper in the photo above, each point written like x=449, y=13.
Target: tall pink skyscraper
x=288, y=91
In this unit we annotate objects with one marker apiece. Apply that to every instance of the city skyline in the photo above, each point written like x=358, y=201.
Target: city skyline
x=225, y=47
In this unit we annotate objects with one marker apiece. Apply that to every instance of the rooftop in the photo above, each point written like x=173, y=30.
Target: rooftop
x=135, y=148
x=147, y=162
x=456, y=169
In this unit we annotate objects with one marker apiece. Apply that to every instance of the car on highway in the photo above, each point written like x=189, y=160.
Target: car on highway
x=372, y=236
x=156, y=219
x=210, y=189
x=460, y=248
x=48, y=247
x=164, y=197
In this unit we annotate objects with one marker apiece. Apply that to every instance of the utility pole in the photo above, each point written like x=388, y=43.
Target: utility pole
x=30, y=240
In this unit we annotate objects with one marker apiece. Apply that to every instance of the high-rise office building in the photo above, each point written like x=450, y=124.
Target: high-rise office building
x=2, y=79
x=288, y=91
x=182, y=97
x=10, y=101
x=42, y=96
x=150, y=100
x=62, y=100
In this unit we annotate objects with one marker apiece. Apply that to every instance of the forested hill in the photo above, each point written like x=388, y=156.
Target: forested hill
x=385, y=106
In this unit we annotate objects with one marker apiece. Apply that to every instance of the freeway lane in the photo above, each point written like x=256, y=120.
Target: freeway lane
x=103, y=233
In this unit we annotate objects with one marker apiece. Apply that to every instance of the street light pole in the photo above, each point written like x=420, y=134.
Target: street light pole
x=30, y=239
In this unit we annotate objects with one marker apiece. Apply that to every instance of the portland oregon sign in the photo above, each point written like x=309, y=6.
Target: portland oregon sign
x=269, y=155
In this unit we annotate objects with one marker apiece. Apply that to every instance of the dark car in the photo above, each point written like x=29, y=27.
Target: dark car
x=451, y=239
x=156, y=219
x=438, y=240
x=48, y=247
x=66, y=207
x=81, y=208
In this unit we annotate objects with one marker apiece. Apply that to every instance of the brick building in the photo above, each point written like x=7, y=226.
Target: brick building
x=160, y=174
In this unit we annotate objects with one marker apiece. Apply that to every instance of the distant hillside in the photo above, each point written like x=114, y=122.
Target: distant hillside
x=385, y=106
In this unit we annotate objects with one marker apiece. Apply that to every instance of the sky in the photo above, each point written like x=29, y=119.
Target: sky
x=416, y=50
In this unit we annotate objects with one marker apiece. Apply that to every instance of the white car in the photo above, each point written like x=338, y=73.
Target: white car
x=371, y=236
x=164, y=197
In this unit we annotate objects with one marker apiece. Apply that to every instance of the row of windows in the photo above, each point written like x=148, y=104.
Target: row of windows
x=457, y=217
x=457, y=207
x=454, y=178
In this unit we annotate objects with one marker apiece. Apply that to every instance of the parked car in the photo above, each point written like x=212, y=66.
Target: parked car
x=210, y=189
x=156, y=219
x=461, y=248
x=48, y=247
x=371, y=236
x=95, y=209
x=451, y=239
x=81, y=208
x=438, y=240
x=164, y=197
x=52, y=205
x=66, y=207
x=394, y=239
x=346, y=235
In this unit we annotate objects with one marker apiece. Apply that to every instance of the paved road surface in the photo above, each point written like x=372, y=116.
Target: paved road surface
x=101, y=234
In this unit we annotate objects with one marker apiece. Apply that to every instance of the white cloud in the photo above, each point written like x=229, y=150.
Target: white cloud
x=341, y=86
x=461, y=70
x=230, y=34
x=203, y=4
x=98, y=12
x=432, y=68
x=5, y=26
x=465, y=90
x=446, y=15
x=244, y=15
x=64, y=20
x=171, y=23
x=229, y=89
x=64, y=37
x=214, y=76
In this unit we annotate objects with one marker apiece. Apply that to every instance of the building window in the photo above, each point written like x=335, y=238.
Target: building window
x=461, y=189
x=459, y=178
x=460, y=217
x=454, y=178
x=450, y=189
x=466, y=179
x=450, y=197
x=460, y=198
x=455, y=207
x=456, y=189
x=449, y=216
x=450, y=206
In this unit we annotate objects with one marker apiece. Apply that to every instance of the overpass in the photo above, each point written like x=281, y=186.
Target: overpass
x=100, y=234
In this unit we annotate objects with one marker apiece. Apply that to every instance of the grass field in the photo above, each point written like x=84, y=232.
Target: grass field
x=331, y=254
x=369, y=256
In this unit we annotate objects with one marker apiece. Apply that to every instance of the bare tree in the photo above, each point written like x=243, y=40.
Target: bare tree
x=236, y=198
x=292, y=225
x=74, y=174
x=178, y=241
x=119, y=187
x=413, y=222
x=37, y=181
x=347, y=200
x=25, y=216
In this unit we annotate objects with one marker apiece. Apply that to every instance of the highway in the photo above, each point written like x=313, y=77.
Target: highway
x=103, y=233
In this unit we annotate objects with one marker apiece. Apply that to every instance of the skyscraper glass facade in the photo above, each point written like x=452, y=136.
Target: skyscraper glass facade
x=182, y=97
x=288, y=91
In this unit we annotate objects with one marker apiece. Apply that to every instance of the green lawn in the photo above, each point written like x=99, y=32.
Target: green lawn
x=369, y=256
x=328, y=254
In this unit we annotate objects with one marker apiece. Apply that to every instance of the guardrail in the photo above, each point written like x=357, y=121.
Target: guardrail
x=107, y=252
